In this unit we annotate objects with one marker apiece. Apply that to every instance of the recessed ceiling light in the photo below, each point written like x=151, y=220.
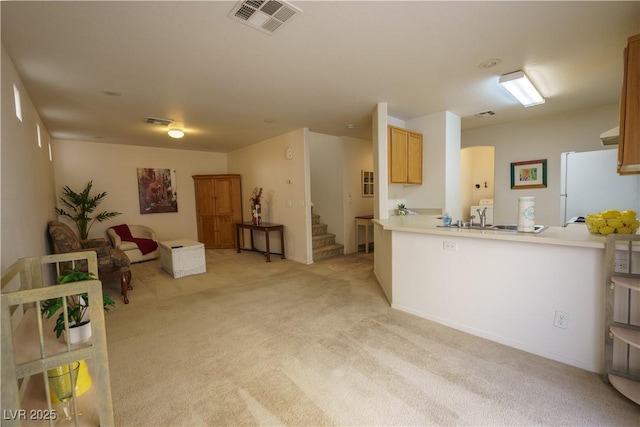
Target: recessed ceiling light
x=176, y=133
x=490, y=63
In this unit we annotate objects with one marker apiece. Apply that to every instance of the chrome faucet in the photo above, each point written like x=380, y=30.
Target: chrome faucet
x=483, y=217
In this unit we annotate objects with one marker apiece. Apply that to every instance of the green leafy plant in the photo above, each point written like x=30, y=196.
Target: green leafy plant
x=81, y=206
x=402, y=209
x=77, y=305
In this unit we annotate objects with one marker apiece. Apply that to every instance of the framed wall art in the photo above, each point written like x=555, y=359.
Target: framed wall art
x=367, y=184
x=157, y=190
x=529, y=174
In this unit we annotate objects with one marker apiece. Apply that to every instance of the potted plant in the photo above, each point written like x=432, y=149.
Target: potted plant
x=402, y=209
x=81, y=206
x=77, y=305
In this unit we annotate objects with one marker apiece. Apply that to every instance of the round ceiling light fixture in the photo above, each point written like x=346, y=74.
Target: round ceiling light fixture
x=176, y=133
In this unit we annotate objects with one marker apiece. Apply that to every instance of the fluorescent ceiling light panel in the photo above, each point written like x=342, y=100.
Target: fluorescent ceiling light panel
x=521, y=88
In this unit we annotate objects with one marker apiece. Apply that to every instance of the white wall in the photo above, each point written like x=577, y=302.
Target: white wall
x=358, y=155
x=286, y=188
x=476, y=168
x=326, y=161
x=440, y=165
x=540, y=138
x=337, y=197
x=26, y=173
x=113, y=168
x=380, y=163
x=505, y=291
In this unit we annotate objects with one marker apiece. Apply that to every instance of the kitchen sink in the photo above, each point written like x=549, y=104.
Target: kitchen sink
x=513, y=227
x=498, y=227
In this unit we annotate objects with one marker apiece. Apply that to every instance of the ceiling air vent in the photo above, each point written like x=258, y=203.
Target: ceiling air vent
x=487, y=113
x=158, y=121
x=263, y=15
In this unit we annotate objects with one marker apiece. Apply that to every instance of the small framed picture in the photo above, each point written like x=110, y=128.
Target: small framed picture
x=367, y=184
x=529, y=174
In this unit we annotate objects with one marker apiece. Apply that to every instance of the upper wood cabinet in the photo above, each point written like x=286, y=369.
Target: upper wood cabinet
x=405, y=156
x=218, y=208
x=629, y=139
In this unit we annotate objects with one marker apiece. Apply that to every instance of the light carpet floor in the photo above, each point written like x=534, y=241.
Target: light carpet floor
x=282, y=343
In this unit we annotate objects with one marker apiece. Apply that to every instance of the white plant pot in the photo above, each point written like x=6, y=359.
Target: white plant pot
x=79, y=334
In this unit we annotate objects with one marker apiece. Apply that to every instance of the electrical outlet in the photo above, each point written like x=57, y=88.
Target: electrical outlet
x=449, y=246
x=621, y=266
x=561, y=320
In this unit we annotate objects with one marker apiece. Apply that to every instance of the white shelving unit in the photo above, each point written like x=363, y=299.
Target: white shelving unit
x=622, y=316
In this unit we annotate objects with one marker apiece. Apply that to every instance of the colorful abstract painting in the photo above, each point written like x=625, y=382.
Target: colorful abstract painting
x=157, y=190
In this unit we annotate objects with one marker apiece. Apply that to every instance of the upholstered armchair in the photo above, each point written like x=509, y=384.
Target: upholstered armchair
x=113, y=264
x=135, y=241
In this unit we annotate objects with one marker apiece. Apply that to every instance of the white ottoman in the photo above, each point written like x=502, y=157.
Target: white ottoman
x=182, y=257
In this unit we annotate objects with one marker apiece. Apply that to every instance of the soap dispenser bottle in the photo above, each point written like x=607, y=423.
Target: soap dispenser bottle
x=446, y=220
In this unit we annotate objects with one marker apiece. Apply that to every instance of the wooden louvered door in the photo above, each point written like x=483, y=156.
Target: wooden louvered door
x=218, y=208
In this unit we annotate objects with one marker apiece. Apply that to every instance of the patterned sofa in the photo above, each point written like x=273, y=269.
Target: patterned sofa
x=113, y=264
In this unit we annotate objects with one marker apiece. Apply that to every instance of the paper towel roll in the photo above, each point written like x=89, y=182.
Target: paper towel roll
x=526, y=214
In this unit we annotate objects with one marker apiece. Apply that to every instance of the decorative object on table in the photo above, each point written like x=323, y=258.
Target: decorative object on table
x=157, y=190
x=526, y=214
x=113, y=264
x=446, y=220
x=82, y=206
x=402, y=209
x=612, y=221
x=367, y=183
x=256, y=206
x=529, y=174
x=77, y=306
x=62, y=381
x=138, y=242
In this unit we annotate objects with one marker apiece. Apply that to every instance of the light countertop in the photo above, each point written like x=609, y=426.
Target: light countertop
x=571, y=235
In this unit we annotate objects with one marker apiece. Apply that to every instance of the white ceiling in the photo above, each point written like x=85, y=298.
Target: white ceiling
x=229, y=85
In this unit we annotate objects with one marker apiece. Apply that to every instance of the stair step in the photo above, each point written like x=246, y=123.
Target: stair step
x=328, y=251
x=323, y=240
x=323, y=243
x=318, y=229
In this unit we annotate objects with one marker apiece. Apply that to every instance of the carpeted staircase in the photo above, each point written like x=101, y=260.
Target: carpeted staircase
x=324, y=244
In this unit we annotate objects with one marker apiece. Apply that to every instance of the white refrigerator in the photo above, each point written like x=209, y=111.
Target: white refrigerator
x=589, y=183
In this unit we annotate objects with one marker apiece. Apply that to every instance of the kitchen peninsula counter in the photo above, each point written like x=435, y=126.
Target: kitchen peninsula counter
x=572, y=235
x=504, y=286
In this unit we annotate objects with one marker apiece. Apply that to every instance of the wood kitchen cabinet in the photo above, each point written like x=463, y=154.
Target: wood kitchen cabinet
x=218, y=209
x=629, y=139
x=405, y=156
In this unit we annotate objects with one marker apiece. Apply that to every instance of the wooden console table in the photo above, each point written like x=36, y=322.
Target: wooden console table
x=265, y=227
